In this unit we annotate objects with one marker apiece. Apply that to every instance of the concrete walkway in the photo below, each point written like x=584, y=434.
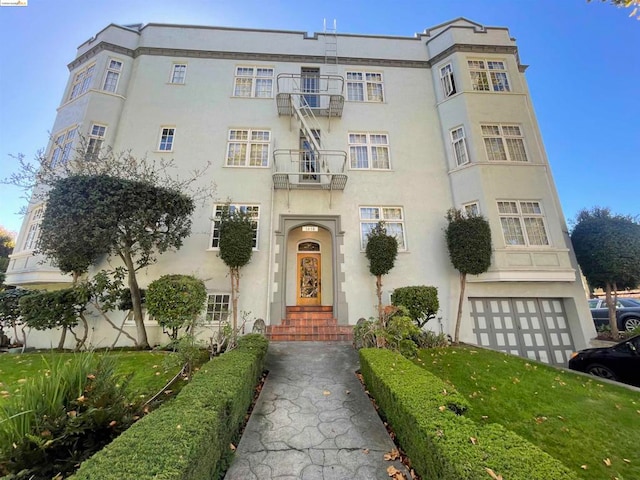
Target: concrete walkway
x=313, y=420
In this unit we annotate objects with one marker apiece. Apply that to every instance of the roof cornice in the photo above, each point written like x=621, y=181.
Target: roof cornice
x=282, y=57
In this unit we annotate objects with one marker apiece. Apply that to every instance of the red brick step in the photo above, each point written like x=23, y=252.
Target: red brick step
x=310, y=323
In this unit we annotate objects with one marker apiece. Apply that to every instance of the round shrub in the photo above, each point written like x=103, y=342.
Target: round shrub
x=175, y=300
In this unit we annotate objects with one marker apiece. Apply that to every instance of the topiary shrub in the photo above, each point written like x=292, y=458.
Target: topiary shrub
x=10, y=314
x=421, y=302
x=426, y=415
x=189, y=438
x=175, y=301
x=55, y=309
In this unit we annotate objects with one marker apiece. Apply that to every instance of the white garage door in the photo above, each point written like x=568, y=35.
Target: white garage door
x=535, y=328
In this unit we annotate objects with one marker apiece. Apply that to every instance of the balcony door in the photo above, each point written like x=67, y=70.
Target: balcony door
x=309, y=161
x=310, y=79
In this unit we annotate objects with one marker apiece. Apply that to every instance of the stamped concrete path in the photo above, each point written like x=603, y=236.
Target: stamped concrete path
x=312, y=420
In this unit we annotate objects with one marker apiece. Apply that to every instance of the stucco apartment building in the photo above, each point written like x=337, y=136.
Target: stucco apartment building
x=319, y=137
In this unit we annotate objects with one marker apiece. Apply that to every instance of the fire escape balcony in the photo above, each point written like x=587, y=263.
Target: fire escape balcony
x=309, y=170
x=324, y=94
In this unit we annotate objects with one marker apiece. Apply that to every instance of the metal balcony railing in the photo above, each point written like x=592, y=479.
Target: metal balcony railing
x=308, y=170
x=322, y=93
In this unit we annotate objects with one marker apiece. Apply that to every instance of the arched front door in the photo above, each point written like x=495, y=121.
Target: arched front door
x=309, y=274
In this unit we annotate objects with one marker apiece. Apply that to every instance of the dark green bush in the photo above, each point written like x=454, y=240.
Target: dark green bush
x=426, y=415
x=421, y=302
x=175, y=301
x=189, y=438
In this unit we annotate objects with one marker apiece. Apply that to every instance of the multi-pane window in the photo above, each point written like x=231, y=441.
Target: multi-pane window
x=178, y=73
x=504, y=143
x=489, y=75
x=393, y=218
x=369, y=151
x=95, y=140
x=82, y=81
x=167, y=135
x=248, y=148
x=447, y=80
x=33, y=230
x=113, y=74
x=218, y=308
x=251, y=211
x=471, y=209
x=62, y=145
x=253, y=81
x=522, y=223
x=365, y=87
x=459, y=145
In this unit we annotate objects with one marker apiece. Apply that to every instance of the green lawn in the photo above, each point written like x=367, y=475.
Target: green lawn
x=580, y=421
x=149, y=368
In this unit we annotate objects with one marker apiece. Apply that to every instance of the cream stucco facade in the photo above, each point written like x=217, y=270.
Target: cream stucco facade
x=408, y=127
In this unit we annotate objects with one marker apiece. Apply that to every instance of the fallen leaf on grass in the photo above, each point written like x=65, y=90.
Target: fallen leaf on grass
x=607, y=461
x=539, y=420
x=232, y=447
x=493, y=474
x=473, y=440
x=392, y=455
x=626, y=460
x=584, y=467
x=442, y=408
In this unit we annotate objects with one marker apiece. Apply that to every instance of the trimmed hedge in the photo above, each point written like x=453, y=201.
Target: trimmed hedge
x=427, y=419
x=189, y=438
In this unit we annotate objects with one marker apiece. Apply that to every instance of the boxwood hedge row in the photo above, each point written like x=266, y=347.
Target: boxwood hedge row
x=427, y=417
x=189, y=438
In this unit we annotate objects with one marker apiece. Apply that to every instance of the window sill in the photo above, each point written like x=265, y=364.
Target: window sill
x=265, y=167
x=162, y=151
x=253, y=98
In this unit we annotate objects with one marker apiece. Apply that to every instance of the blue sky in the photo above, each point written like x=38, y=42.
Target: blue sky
x=583, y=77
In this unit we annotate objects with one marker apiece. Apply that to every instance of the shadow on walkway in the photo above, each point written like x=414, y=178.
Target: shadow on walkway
x=313, y=420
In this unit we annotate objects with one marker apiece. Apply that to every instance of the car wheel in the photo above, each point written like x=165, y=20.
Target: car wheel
x=601, y=371
x=631, y=323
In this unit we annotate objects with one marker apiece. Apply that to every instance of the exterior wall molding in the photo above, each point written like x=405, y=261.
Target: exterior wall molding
x=331, y=223
x=100, y=47
x=277, y=57
x=470, y=48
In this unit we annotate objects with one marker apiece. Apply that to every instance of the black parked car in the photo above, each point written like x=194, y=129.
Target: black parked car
x=620, y=362
x=627, y=313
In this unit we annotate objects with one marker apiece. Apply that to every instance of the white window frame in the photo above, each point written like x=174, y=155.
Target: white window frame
x=82, y=81
x=488, y=75
x=370, y=215
x=369, y=86
x=252, y=76
x=167, y=139
x=217, y=309
x=246, y=145
x=114, y=68
x=95, y=139
x=365, y=149
x=459, y=147
x=178, y=74
x=447, y=80
x=471, y=209
x=523, y=223
x=62, y=146
x=33, y=228
x=504, y=142
x=252, y=209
